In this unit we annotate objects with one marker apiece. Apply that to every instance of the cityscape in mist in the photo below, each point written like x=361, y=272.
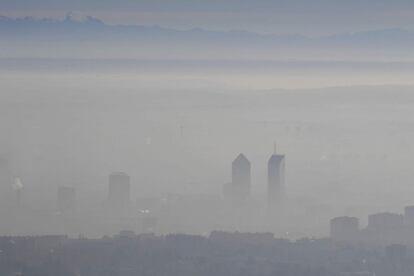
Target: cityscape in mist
x=233, y=137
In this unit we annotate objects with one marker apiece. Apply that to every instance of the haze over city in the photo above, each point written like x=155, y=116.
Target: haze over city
x=257, y=129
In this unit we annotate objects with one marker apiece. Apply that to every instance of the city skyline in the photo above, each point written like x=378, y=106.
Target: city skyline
x=136, y=137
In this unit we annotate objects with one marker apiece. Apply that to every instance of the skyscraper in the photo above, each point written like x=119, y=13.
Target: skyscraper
x=385, y=221
x=409, y=215
x=275, y=179
x=241, y=178
x=119, y=189
x=344, y=228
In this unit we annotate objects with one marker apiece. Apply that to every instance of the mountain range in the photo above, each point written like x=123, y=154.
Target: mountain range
x=90, y=28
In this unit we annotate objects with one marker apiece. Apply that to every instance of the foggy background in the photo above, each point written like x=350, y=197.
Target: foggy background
x=173, y=105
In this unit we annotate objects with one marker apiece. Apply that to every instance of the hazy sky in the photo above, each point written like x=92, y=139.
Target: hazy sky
x=277, y=16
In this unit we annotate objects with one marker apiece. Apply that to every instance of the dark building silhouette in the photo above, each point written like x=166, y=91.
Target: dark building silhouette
x=220, y=254
x=241, y=178
x=241, y=237
x=66, y=199
x=344, y=228
x=382, y=229
x=409, y=215
x=396, y=253
x=126, y=234
x=275, y=179
x=119, y=189
x=385, y=221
